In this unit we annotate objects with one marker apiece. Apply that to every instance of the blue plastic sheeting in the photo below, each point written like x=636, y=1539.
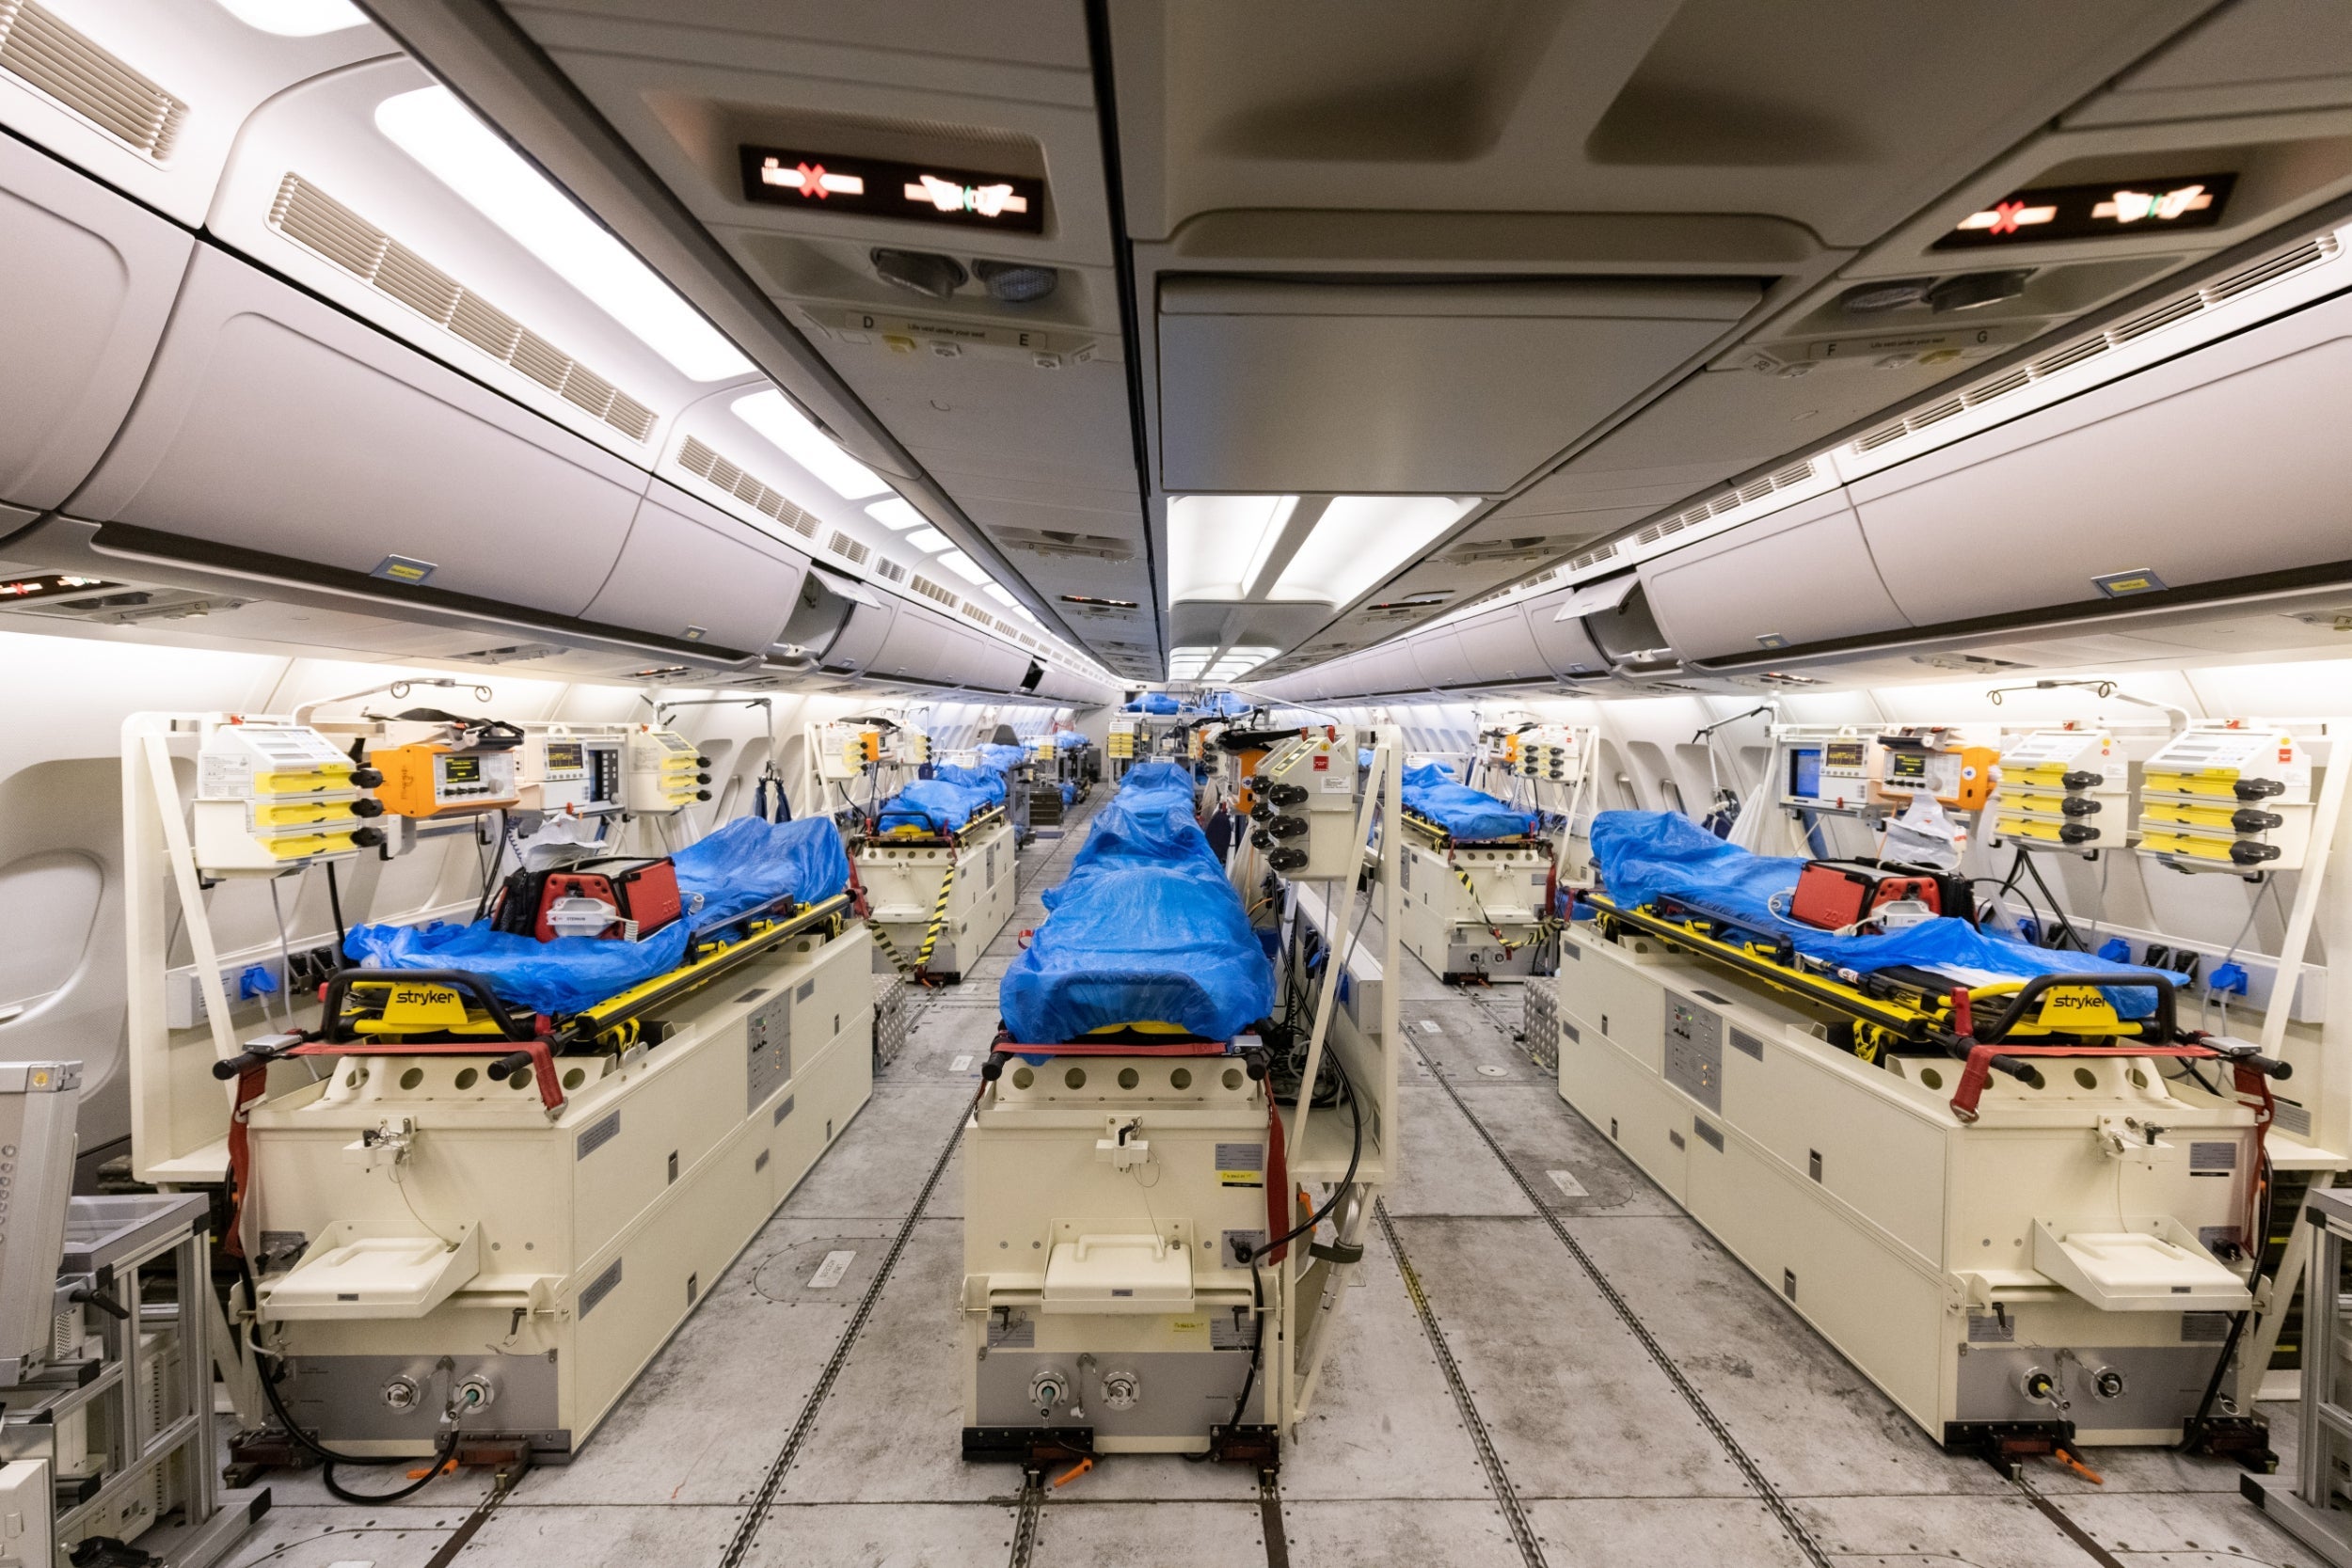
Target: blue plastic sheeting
x=1069, y=793
x=935, y=805
x=985, y=781
x=1068, y=741
x=1155, y=701
x=1643, y=854
x=1467, y=813
x=1002, y=757
x=1145, y=930
x=735, y=869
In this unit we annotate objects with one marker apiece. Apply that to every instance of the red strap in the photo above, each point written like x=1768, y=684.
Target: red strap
x=252, y=1084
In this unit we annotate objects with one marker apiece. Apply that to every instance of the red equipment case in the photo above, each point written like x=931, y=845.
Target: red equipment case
x=1833, y=894
x=643, y=891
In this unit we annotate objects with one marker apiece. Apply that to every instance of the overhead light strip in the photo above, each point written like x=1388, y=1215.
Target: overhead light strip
x=434, y=128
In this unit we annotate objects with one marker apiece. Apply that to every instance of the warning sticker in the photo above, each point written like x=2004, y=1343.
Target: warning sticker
x=1012, y=1333
x=1987, y=1328
x=1190, y=1328
x=1233, y=1330
x=223, y=776
x=1241, y=1165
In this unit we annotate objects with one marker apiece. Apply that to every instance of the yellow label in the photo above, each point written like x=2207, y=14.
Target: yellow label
x=1189, y=1325
x=414, y=1006
x=2079, y=1008
x=1239, y=1179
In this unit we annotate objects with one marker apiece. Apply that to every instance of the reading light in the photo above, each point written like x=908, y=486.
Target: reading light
x=297, y=19
x=432, y=127
x=963, y=566
x=929, y=540
x=1359, y=540
x=895, y=513
x=1218, y=545
x=793, y=434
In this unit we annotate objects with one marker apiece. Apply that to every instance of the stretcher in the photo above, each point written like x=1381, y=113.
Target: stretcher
x=1448, y=812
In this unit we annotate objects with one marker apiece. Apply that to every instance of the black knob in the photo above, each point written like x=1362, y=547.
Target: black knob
x=367, y=838
x=2247, y=820
x=1260, y=811
x=702, y=778
x=1287, y=827
x=702, y=795
x=1262, y=838
x=1286, y=794
x=702, y=762
x=366, y=777
x=2078, y=805
x=2082, y=781
x=366, y=806
x=1287, y=859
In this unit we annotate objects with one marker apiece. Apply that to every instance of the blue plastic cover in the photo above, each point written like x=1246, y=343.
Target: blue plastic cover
x=735, y=869
x=1068, y=741
x=1155, y=701
x=1643, y=854
x=1145, y=930
x=1467, y=814
x=1002, y=757
x=985, y=781
x=935, y=805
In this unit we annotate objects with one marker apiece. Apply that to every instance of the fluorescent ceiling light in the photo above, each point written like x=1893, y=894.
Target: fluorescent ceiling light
x=1027, y=614
x=998, y=593
x=432, y=127
x=1359, y=540
x=895, y=513
x=297, y=19
x=793, y=434
x=929, y=540
x=1218, y=545
x=963, y=566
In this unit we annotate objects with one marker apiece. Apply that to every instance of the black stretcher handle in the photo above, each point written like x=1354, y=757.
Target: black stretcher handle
x=2166, y=1018
x=506, y=1067
x=254, y=1056
x=463, y=980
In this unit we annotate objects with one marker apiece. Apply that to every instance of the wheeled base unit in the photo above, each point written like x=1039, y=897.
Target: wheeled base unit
x=418, y=1224
x=2047, y=1269
x=1474, y=913
x=938, y=905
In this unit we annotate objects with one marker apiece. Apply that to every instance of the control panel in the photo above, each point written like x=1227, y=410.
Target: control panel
x=1833, y=774
x=563, y=770
x=274, y=796
x=427, y=778
x=1930, y=761
x=2067, y=790
x=2226, y=798
x=1304, y=807
x=665, y=773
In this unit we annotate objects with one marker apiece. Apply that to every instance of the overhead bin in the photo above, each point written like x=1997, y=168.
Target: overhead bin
x=1455, y=387
x=1565, y=648
x=1497, y=647
x=105, y=272
x=272, y=423
x=822, y=608
x=862, y=635
x=986, y=665
x=1439, y=660
x=913, y=647
x=2226, y=462
x=1798, y=576
x=690, y=572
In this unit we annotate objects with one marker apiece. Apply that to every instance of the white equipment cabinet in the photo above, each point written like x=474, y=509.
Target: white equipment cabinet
x=937, y=906
x=416, y=1223
x=1119, y=1293
x=1475, y=913
x=2045, y=1264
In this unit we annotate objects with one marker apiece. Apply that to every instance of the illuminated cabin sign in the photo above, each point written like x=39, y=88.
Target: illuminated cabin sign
x=2094, y=212
x=878, y=188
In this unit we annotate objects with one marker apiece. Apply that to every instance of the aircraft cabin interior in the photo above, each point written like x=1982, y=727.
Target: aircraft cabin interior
x=1522, y=784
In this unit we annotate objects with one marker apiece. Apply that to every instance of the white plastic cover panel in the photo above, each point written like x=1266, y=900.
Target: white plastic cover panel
x=1439, y=660
x=1498, y=647
x=914, y=647
x=105, y=272
x=1391, y=669
x=1458, y=388
x=274, y=423
x=984, y=664
x=691, y=571
x=1798, y=576
x=1564, y=646
x=2225, y=462
x=862, y=637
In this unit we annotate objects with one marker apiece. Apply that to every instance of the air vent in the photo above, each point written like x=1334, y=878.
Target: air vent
x=513, y=652
x=326, y=228
x=2309, y=254
x=884, y=566
x=53, y=59
x=1048, y=541
x=931, y=590
x=853, y=549
x=704, y=463
x=125, y=607
x=975, y=612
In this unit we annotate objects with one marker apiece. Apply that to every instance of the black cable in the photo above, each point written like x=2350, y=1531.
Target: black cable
x=2057, y=913
x=1251, y=1255
x=489, y=878
x=2194, y=1428
x=335, y=904
x=442, y=1452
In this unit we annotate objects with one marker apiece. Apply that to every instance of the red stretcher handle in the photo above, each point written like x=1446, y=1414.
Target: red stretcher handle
x=541, y=1060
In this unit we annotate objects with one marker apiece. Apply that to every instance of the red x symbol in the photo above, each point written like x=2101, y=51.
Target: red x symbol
x=813, y=181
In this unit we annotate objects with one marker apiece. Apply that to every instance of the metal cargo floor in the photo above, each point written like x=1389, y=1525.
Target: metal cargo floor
x=1647, y=1402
